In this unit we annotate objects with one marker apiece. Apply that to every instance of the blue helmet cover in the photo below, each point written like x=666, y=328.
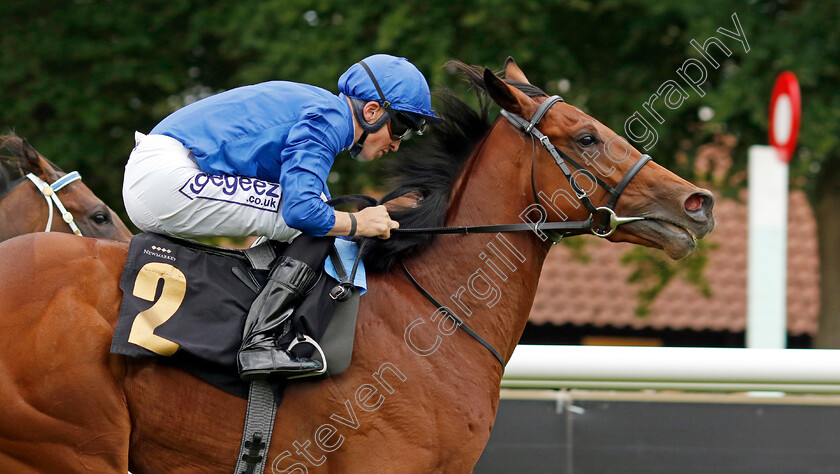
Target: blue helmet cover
x=402, y=84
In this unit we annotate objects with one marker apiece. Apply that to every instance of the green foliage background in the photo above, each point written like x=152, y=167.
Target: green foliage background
x=77, y=78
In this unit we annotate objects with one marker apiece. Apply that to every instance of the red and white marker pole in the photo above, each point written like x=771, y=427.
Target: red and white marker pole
x=768, y=215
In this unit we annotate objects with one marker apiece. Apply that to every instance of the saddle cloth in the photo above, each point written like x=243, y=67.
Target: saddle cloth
x=186, y=305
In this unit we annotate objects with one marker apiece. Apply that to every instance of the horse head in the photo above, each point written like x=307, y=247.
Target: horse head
x=23, y=206
x=648, y=204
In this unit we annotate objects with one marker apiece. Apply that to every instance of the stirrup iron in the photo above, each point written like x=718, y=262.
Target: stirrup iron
x=304, y=339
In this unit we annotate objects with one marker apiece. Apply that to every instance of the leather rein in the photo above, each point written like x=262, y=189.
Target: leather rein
x=558, y=230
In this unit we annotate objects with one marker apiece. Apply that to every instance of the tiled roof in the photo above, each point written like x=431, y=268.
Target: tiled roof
x=597, y=293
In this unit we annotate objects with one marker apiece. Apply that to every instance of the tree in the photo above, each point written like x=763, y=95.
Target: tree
x=80, y=77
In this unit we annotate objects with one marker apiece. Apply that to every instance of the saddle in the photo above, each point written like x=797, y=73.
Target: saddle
x=185, y=303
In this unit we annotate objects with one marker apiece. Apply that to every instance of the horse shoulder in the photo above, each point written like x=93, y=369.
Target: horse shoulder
x=56, y=267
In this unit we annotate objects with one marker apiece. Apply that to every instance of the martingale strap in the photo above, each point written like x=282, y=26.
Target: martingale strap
x=459, y=321
x=364, y=201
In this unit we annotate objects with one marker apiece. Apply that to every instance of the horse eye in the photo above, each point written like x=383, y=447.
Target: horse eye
x=101, y=218
x=587, y=140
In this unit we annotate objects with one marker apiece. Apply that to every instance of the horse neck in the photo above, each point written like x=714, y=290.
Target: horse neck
x=493, y=277
x=21, y=213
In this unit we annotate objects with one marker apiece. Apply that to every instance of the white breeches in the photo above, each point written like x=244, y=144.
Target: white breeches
x=165, y=192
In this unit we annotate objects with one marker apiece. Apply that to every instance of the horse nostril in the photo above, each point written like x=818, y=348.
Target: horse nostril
x=694, y=202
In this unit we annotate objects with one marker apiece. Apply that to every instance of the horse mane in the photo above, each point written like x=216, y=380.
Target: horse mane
x=430, y=168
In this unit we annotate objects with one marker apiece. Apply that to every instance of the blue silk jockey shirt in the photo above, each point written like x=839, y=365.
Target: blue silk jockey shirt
x=283, y=132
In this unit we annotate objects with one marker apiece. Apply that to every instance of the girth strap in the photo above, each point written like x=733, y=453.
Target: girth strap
x=256, y=435
x=344, y=289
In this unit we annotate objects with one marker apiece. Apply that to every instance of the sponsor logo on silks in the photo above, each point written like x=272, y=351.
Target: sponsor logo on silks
x=160, y=252
x=240, y=190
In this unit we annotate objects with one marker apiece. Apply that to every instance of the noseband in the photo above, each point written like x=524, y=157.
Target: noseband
x=50, y=193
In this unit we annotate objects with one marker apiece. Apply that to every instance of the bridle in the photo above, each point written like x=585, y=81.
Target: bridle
x=607, y=211
x=558, y=229
x=50, y=193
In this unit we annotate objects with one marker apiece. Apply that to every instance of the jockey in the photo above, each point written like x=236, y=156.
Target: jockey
x=254, y=161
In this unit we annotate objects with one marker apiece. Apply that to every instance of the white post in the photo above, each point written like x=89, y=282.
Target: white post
x=767, y=256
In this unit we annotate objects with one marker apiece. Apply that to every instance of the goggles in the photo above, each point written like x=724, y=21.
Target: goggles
x=397, y=125
x=401, y=124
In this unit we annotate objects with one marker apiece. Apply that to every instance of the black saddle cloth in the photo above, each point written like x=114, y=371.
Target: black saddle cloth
x=186, y=306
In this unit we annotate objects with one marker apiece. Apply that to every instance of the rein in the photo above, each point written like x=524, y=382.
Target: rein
x=560, y=229
x=50, y=193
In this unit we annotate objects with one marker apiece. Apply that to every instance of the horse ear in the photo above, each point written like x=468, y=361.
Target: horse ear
x=508, y=98
x=513, y=72
x=32, y=162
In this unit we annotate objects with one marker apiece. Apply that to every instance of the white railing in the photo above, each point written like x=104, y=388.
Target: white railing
x=674, y=368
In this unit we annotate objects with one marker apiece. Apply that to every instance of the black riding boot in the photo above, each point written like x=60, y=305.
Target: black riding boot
x=259, y=356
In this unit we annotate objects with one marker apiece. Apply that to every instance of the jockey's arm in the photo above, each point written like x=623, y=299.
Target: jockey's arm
x=305, y=166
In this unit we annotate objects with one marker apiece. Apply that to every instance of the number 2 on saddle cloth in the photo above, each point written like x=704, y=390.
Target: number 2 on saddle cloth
x=186, y=304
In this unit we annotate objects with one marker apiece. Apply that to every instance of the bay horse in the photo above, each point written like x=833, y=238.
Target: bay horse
x=24, y=208
x=420, y=395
